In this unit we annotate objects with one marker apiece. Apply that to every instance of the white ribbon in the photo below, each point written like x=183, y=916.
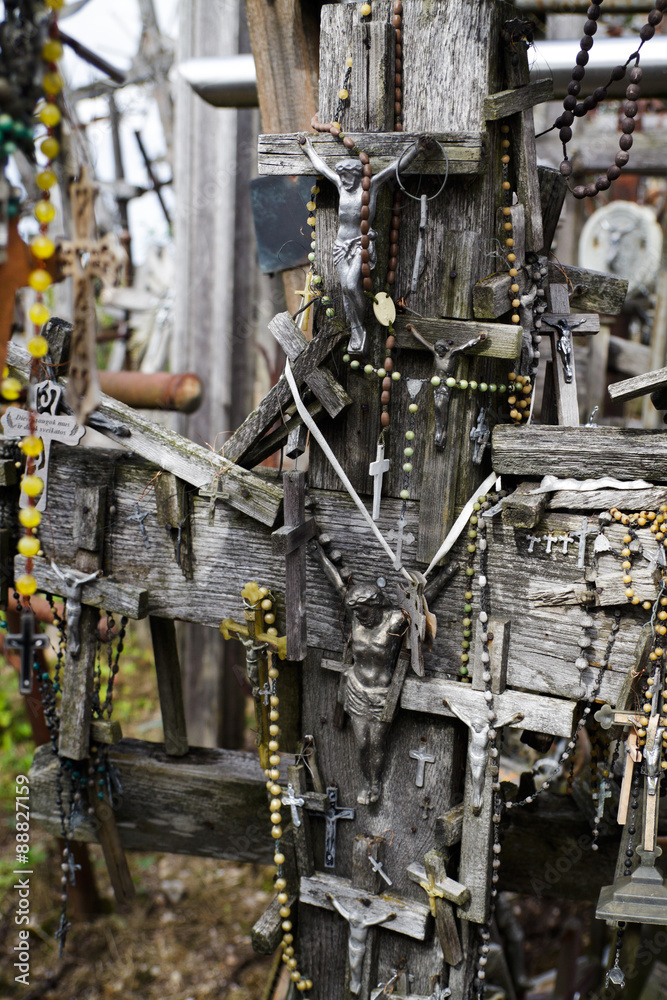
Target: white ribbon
x=321, y=440
x=461, y=521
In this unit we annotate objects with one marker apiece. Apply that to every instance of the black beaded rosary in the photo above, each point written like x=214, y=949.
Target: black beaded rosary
x=572, y=108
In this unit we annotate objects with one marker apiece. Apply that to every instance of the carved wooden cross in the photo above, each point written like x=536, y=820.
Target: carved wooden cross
x=248, y=445
x=564, y=326
x=49, y=427
x=290, y=541
x=86, y=258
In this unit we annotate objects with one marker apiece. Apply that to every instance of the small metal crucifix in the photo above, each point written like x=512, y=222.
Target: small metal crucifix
x=295, y=803
x=73, y=585
x=481, y=435
x=377, y=470
x=378, y=868
x=27, y=642
x=564, y=325
x=422, y=759
x=331, y=817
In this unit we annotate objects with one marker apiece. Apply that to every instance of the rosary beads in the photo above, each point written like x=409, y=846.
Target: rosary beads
x=573, y=109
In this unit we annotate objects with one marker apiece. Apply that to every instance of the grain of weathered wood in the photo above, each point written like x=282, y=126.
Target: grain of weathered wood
x=582, y=452
x=640, y=385
x=596, y=500
x=448, y=827
x=553, y=188
x=628, y=356
x=191, y=462
x=503, y=339
x=114, y=855
x=267, y=932
x=511, y=102
x=106, y=731
x=8, y=473
x=372, y=81
x=281, y=154
x=103, y=593
x=499, y=628
x=169, y=684
x=156, y=813
x=411, y=917
x=520, y=509
x=320, y=381
x=76, y=705
x=593, y=291
x=301, y=835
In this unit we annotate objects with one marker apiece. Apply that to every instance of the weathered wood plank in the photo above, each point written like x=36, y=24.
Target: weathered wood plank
x=411, y=917
x=553, y=188
x=191, y=462
x=103, y=593
x=582, y=452
x=503, y=339
x=629, y=357
x=593, y=291
x=640, y=385
x=448, y=828
x=372, y=90
x=267, y=932
x=511, y=102
x=169, y=684
x=520, y=509
x=467, y=152
x=628, y=500
x=320, y=381
x=156, y=813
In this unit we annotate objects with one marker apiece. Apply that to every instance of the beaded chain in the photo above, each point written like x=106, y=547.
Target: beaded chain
x=39, y=279
x=573, y=109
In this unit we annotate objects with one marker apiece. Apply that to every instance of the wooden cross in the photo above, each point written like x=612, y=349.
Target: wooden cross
x=16, y=422
x=376, y=471
x=422, y=759
x=247, y=446
x=444, y=889
x=564, y=326
x=290, y=541
x=27, y=642
x=86, y=258
x=443, y=893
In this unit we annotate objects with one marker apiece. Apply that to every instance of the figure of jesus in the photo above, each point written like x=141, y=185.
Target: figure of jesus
x=347, y=179
x=359, y=926
x=478, y=750
x=375, y=641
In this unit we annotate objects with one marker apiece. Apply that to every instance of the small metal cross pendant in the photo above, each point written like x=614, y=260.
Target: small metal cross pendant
x=481, y=435
x=27, y=642
x=265, y=693
x=140, y=517
x=422, y=759
x=566, y=540
x=377, y=867
x=295, y=803
x=549, y=539
x=426, y=807
x=377, y=470
x=531, y=541
x=331, y=817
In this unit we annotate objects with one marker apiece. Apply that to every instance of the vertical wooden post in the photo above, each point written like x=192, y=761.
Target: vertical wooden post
x=170, y=688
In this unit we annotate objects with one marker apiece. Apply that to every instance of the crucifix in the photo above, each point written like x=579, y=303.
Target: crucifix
x=360, y=922
x=379, y=869
x=564, y=325
x=532, y=539
x=446, y=354
x=377, y=470
x=73, y=585
x=584, y=531
x=257, y=640
x=549, y=539
x=443, y=893
x=295, y=802
x=422, y=759
x=289, y=541
x=85, y=259
x=478, y=749
x=16, y=423
x=331, y=817
x=140, y=516
x=27, y=642
x=481, y=435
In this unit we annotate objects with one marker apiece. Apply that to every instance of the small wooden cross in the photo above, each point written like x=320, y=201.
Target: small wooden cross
x=446, y=888
x=377, y=470
x=290, y=542
x=422, y=759
x=564, y=326
x=86, y=258
x=15, y=423
x=27, y=642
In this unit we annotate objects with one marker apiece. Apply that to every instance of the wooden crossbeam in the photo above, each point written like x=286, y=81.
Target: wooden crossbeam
x=582, y=452
x=503, y=339
x=640, y=385
x=467, y=152
x=193, y=463
x=430, y=694
x=104, y=593
x=255, y=426
x=320, y=381
x=593, y=291
x=511, y=102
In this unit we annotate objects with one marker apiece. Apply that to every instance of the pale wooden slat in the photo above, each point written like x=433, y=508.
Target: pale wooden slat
x=511, y=102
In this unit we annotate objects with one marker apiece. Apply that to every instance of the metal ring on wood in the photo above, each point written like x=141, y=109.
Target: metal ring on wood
x=440, y=189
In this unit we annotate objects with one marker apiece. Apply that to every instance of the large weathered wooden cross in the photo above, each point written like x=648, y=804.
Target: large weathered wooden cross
x=85, y=258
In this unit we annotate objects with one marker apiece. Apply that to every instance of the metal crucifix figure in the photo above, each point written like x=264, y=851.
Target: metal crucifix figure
x=360, y=923
x=74, y=584
x=478, y=750
x=347, y=178
x=445, y=354
x=564, y=328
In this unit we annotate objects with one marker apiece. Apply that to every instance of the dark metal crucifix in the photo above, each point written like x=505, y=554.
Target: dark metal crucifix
x=28, y=643
x=331, y=817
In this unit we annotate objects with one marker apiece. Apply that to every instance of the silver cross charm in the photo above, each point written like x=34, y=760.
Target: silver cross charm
x=377, y=470
x=566, y=540
x=294, y=803
x=265, y=693
x=422, y=759
x=377, y=867
x=531, y=541
x=549, y=539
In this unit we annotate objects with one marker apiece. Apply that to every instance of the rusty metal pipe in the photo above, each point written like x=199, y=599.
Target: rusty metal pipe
x=159, y=391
